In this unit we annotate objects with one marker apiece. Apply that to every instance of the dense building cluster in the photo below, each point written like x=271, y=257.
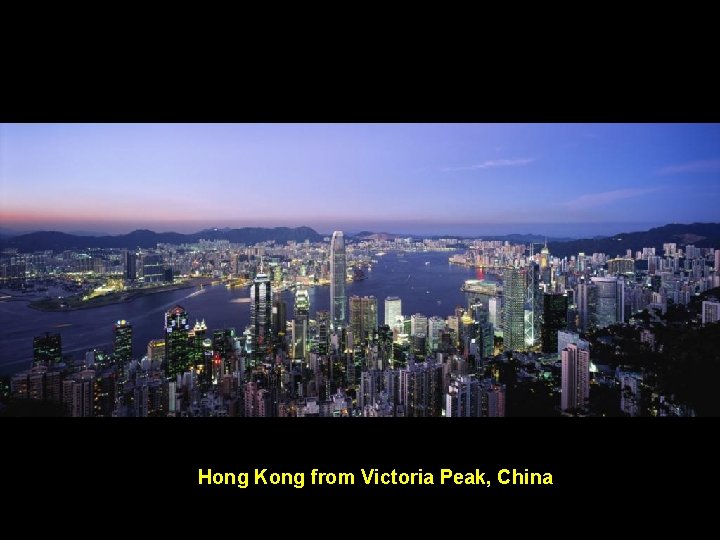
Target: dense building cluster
x=528, y=311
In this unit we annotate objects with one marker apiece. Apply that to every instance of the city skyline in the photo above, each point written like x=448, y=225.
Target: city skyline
x=589, y=179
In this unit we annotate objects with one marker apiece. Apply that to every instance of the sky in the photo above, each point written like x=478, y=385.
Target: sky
x=566, y=180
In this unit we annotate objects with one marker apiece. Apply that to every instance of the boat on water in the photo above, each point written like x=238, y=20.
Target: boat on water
x=427, y=263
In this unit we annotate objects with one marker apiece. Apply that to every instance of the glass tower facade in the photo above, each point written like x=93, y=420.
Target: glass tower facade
x=338, y=300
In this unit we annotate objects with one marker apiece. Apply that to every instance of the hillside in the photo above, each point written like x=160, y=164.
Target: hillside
x=58, y=241
x=697, y=234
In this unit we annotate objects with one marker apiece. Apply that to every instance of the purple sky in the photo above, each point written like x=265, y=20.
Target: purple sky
x=563, y=180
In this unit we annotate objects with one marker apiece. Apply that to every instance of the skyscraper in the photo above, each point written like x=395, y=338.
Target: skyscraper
x=122, y=346
x=338, y=301
x=393, y=310
x=575, y=378
x=610, y=307
x=130, y=265
x=363, y=317
x=418, y=324
x=514, y=306
x=710, y=312
x=177, y=342
x=554, y=319
x=261, y=317
x=47, y=349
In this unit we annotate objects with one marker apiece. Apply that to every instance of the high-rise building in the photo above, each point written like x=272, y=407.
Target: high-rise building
x=610, y=307
x=565, y=338
x=279, y=318
x=621, y=266
x=363, y=318
x=338, y=300
x=717, y=261
x=130, y=265
x=302, y=304
x=421, y=389
x=393, y=310
x=554, y=319
x=575, y=378
x=533, y=305
x=47, y=349
x=710, y=312
x=156, y=350
x=153, y=270
x=514, y=307
x=122, y=346
x=469, y=396
x=435, y=326
x=177, y=342
x=418, y=324
x=630, y=391
x=323, y=331
x=78, y=394
x=261, y=318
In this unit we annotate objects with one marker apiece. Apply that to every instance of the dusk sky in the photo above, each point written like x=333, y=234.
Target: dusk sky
x=555, y=179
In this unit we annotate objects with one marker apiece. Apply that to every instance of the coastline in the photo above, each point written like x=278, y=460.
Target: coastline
x=54, y=305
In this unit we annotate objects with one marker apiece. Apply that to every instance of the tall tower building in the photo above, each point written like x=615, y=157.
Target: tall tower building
x=177, y=342
x=554, y=318
x=122, y=345
x=302, y=304
x=575, y=378
x=130, y=265
x=338, y=300
x=610, y=306
x=261, y=317
x=418, y=324
x=514, y=306
x=363, y=317
x=47, y=349
x=393, y=310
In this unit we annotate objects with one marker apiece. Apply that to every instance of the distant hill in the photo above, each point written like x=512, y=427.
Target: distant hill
x=58, y=241
x=697, y=234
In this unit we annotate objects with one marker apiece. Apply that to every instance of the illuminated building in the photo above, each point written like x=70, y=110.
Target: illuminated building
x=393, y=310
x=435, y=326
x=79, y=393
x=260, y=318
x=156, y=350
x=338, y=301
x=575, y=378
x=279, y=318
x=710, y=312
x=153, y=270
x=39, y=382
x=621, y=266
x=514, y=310
x=302, y=303
x=177, y=342
x=323, y=331
x=47, y=349
x=122, y=346
x=418, y=324
x=222, y=346
x=363, y=318
x=421, y=389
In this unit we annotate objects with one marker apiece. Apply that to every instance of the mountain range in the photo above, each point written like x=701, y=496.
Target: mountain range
x=59, y=241
x=698, y=234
